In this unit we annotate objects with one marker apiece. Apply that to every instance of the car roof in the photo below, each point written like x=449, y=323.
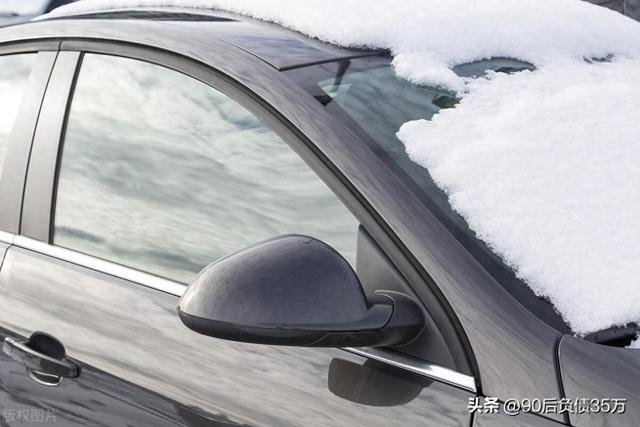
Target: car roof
x=281, y=48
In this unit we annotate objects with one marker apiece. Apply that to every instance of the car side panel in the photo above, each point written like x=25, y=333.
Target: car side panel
x=503, y=420
x=95, y=398
x=594, y=371
x=133, y=333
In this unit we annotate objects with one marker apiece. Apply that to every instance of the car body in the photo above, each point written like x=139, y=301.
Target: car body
x=487, y=336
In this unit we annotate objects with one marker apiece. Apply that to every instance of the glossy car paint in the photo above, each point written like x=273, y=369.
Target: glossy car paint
x=502, y=419
x=511, y=352
x=132, y=332
x=593, y=371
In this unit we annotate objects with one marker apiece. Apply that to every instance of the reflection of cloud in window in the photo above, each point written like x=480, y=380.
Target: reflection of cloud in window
x=163, y=173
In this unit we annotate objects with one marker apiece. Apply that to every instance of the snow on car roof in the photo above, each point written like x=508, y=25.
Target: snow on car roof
x=544, y=165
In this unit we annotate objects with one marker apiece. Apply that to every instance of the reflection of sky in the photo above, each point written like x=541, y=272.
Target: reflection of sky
x=403, y=102
x=162, y=173
x=14, y=74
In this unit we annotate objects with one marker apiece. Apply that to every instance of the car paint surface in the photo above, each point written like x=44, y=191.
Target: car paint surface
x=592, y=371
x=121, y=330
x=132, y=332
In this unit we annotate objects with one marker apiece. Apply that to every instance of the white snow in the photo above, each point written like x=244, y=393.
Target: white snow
x=427, y=37
x=545, y=167
x=544, y=164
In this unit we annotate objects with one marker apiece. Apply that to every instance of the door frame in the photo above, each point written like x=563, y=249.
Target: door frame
x=40, y=189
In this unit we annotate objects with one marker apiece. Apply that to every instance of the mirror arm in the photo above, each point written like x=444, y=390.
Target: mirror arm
x=406, y=323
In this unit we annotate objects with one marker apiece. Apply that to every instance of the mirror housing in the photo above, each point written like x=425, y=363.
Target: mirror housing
x=295, y=290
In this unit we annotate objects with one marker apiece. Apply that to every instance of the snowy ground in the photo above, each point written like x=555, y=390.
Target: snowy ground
x=542, y=164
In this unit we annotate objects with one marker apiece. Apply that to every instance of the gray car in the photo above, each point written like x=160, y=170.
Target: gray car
x=208, y=220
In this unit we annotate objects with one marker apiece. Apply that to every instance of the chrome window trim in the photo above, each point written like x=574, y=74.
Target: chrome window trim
x=398, y=360
x=6, y=237
x=429, y=370
x=101, y=265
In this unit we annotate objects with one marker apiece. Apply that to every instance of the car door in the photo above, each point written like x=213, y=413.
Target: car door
x=25, y=70
x=134, y=185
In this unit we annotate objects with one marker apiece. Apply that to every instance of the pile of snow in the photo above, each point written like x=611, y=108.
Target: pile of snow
x=544, y=165
x=427, y=37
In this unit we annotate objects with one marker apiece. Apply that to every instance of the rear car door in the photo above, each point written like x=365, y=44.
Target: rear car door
x=135, y=184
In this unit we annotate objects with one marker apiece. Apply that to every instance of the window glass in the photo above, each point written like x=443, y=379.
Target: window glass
x=162, y=173
x=14, y=74
x=366, y=95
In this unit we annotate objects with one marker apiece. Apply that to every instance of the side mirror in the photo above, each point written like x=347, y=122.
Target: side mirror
x=295, y=290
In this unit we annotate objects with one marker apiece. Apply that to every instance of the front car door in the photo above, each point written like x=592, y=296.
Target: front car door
x=134, y=185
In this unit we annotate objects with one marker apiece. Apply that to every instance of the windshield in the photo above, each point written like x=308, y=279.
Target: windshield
x=23, y=7
x=367, y=95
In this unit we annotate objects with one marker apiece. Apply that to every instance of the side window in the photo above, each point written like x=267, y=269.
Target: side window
x=165, y=174
x=14, y=75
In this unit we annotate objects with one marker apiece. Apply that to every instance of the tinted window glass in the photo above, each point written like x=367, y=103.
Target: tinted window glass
x=162, y=173
x=14, y=74
x=368, y=96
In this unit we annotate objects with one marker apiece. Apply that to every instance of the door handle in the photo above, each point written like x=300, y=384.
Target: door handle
x=43, y=356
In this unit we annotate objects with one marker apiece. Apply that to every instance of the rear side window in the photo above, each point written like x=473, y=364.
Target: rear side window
x=14, y=75
x=165, y=174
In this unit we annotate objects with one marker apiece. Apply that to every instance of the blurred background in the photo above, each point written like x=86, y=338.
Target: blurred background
x=18, y=11
x=628, y=7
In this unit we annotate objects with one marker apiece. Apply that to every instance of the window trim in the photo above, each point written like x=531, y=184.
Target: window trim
x=41, y=179
x=101, y=265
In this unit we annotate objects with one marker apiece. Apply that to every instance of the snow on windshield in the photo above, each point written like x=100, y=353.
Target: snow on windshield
x=544, y=165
